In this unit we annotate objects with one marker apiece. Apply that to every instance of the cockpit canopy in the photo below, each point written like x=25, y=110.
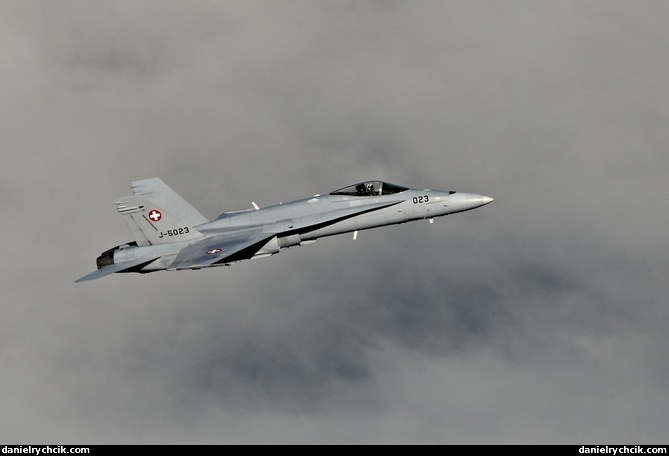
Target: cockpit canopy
x=370, y=188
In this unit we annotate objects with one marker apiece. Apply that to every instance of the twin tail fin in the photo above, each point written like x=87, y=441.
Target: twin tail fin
x=157, y=215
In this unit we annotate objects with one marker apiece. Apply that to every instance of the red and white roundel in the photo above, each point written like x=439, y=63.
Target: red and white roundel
x=213, y=251
x=155, y=215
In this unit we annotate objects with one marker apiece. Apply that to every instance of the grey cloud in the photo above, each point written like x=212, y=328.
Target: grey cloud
x=538, y=319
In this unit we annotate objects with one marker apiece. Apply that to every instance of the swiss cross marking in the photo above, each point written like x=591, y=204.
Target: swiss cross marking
x=155, y=215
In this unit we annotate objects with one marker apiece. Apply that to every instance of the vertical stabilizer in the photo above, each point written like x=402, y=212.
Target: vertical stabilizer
x=156, y=214
x=159, y=193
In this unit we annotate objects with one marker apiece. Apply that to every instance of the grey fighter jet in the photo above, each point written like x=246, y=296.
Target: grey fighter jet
x=170, y=234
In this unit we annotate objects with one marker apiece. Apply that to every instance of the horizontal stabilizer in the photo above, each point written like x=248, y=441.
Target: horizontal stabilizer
x=116, y=267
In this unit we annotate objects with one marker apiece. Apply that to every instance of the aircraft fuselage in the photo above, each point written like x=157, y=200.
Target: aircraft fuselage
x=169, y=241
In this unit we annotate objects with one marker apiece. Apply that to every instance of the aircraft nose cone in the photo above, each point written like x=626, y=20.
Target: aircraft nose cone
x=467, y=201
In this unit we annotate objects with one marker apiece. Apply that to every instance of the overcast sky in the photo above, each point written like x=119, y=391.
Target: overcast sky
x=541, y=318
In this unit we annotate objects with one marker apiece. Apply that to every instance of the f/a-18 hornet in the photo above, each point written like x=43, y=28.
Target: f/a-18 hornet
x=170, y=234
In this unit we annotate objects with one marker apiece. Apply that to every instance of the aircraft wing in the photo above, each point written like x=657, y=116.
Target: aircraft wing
x=243, y=244
x=222, y=248
x=116, y=267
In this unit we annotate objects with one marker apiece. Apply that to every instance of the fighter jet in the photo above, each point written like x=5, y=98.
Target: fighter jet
x=170, y=234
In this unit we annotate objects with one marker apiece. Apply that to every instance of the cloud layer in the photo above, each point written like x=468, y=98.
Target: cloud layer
x=538, y=319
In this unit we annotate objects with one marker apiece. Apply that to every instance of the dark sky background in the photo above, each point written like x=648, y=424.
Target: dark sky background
x=541, y=318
